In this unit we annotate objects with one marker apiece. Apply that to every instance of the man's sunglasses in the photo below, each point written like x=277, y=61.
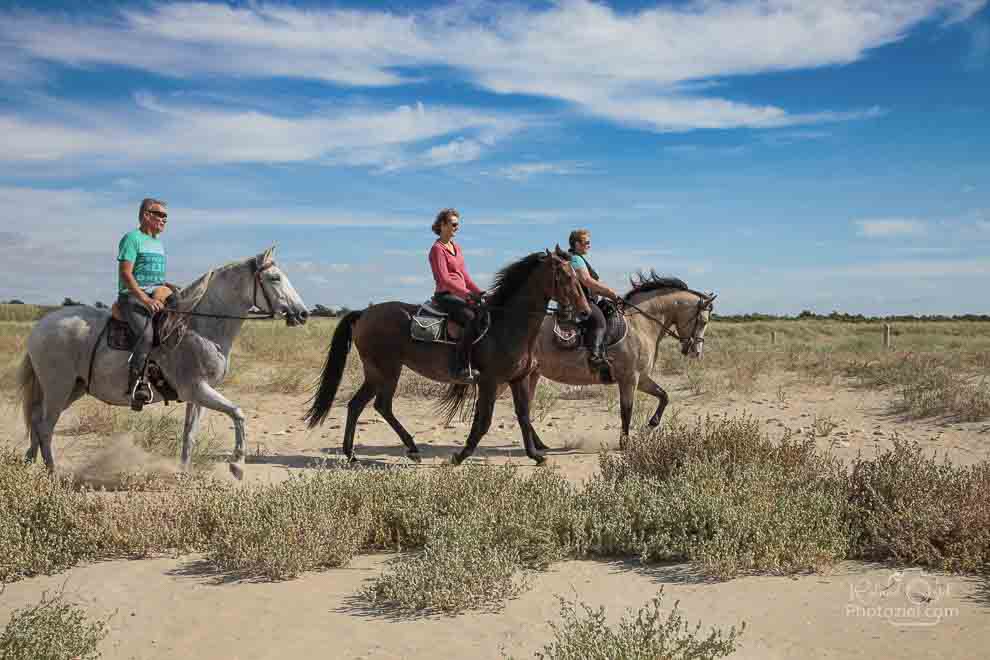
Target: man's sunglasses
x=159, y=214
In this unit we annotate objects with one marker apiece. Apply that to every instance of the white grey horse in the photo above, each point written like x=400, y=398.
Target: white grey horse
x=63, y=360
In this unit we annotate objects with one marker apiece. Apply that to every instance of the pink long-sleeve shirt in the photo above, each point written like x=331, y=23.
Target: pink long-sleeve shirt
x=449, y=271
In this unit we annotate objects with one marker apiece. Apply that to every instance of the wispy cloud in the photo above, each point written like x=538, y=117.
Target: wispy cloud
x=158, y=130
x=524, y=171
x=647, y=68
x=891, y=227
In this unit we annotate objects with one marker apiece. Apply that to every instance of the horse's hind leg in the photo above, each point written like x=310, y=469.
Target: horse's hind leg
x=627, y=399
x=649, y=386
x=354, y=408
x=383, y=404
x=44, y=416
x=520, y=398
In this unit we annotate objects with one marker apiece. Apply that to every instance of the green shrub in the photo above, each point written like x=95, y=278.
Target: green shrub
x=52, y=629
x=584, y=634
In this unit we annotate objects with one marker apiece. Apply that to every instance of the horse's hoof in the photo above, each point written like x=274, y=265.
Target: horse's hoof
x=237, y=469
x=623, y=441
x=456, y=459
x=414, y=456
x=539, y=459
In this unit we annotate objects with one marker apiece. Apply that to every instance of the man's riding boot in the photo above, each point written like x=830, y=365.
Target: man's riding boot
x=138, y=389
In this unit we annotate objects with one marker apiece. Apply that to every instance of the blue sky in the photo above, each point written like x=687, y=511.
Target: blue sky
x=827, y=155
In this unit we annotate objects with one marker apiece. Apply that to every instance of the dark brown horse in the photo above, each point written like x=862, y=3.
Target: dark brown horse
x=518, y=303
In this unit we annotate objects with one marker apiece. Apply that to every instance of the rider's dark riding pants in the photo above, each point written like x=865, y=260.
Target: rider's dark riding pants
x=463, y=315
x=138, y=318
x=595, y=327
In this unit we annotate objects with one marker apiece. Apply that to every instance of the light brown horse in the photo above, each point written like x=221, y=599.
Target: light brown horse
x=654, y=308
x=381, y=333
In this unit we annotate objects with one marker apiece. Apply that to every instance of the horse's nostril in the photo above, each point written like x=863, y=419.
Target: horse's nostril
x=304, y=315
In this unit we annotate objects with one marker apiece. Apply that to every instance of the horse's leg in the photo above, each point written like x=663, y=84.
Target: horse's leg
x=627, y=399
x=383, y=404
x=649, y=386
x=482, y=420
x=206, y=396
x=531, y=383
x=57, y=397
x=354, y=408
x=520, y=398
x=193, y=411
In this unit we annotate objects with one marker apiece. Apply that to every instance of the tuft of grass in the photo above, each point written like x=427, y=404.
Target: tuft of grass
x=584, y=634
x=544, y=399
x=52, y=629
x=823, y=425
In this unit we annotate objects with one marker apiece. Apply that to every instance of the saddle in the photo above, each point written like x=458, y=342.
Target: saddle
x=119, y=335
x=429, y=324
x=570, y=335
x=120, y=338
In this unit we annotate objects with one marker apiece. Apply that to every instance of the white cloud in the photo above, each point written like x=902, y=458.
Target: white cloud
x=645, y=67
x=152, y=130
x=891, y=227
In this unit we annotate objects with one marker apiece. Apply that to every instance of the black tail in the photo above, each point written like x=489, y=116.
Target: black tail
x=333, y=371
x=452, y=402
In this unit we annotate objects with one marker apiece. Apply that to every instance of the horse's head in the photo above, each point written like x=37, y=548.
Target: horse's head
x=274, y=293
x=564, y=286
x=691, y=314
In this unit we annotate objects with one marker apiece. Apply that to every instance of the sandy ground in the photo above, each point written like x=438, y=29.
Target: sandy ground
x=169, y=608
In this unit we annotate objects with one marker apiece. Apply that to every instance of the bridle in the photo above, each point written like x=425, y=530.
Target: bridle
x=257, y=269
x=706, y=303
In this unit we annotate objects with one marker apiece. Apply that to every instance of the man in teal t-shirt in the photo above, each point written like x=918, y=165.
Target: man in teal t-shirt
x=141, y=289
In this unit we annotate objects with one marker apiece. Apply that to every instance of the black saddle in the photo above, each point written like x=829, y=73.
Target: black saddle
x=119, y=335
x=120, y=338
x=571, y=335
x=429, y=324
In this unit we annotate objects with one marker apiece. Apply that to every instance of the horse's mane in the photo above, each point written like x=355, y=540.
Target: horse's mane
x=508, y=280
x=646, y=282
x=190, y=295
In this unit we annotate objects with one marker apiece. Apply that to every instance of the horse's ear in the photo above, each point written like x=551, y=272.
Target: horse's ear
x=266, y=256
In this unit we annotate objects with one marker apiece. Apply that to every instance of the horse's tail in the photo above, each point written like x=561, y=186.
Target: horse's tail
x=333, y=371
x=28, y=388
x=452, y=401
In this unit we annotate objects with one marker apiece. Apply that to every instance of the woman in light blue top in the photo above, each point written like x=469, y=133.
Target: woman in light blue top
x=580, y=242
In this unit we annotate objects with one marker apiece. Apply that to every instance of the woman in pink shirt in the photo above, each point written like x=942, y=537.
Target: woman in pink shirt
x=456, y=293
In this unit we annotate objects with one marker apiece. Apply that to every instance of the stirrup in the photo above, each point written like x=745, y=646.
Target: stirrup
x=147, y=394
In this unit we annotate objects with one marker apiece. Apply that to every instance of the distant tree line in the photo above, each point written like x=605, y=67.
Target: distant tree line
x=807, y=315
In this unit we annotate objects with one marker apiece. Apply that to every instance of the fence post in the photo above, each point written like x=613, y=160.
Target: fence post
x=773, y=337
x=886, y=335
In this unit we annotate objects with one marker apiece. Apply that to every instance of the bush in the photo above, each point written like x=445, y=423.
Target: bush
x=53, y=629
x=585, y=635
x=41, y=529
x=279, y=531
x=913, y=509
x=464, y=565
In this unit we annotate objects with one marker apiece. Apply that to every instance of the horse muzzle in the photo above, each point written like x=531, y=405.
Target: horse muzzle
x=296, y=317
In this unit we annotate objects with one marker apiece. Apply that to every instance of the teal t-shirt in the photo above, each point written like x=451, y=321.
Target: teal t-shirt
x=577, y=262
x=148, y=256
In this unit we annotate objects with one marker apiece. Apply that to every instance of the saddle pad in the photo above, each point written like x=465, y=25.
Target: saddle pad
x=427, y=328
x=119, y=336
x=569, y=336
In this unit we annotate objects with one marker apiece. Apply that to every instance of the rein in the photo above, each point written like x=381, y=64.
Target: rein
x=705, y=303
x=257, y=270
